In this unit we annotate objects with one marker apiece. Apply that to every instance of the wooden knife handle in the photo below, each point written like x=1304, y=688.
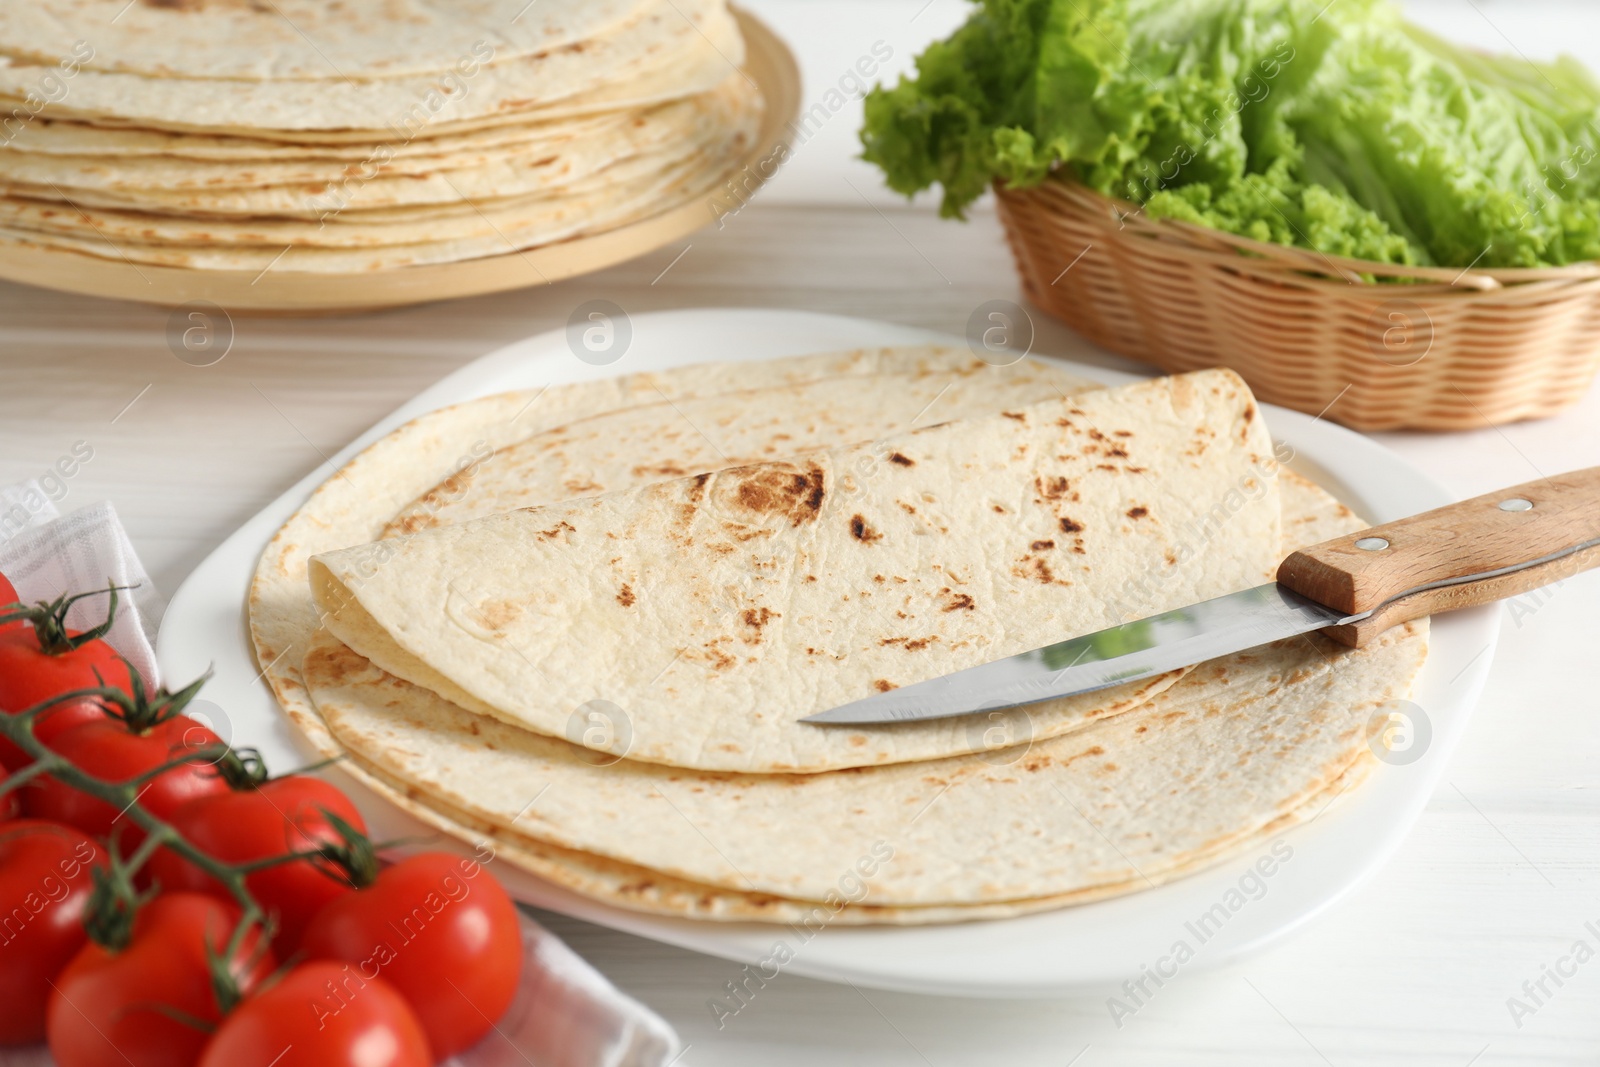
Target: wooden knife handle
x=1455, y=542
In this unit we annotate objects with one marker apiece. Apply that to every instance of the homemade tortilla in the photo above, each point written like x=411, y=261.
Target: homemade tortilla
x=667, y=133
x=295, y=39
x=1240, y=745
x=447, y=447
x=1310, y=516
x=712, y=613
x=696, y=40
x=638, y=889
x=1237, y=744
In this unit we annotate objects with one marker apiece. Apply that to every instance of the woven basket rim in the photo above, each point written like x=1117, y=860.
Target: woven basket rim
x=1299, y=260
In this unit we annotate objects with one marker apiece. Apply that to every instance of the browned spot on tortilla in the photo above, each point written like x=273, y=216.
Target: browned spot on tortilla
x=664, y=470
x=1141, y=729
x=1117, y=452
x=778, y=489
x=1019, y=416
x=910, y=644
x=811, y=577
x=498, y=614
x=625, y=596
x=556, y=531
x=1093, y=750
x=862, y=532
x=719, y=659
x=1172, y=558
x=999, y=510
x=1053, y=487
x=883, y=685
x=1040, y=570
x=756, y=618
x=902, y=459
x=1138, y=512
x=1069, y=526
x=1122, y=433
x=958, y=602
x=1040, y=546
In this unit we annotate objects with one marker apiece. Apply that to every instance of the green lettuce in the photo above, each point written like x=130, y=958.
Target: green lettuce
x=1337, y=127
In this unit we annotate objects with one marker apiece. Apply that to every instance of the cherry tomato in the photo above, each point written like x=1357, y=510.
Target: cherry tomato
x=41, y=658
x=442, y=931
x=9, y=600
x=120, y=1007
x=44, y=885
x=253, y=823
x=111, y=751
x=321, y=1014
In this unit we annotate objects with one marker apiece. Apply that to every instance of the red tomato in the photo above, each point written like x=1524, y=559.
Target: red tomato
x=442, y=931
x=118, y=1007
x=44, y=885
x=321, y=1014
x=253, y=823
x=9, y=601
x=31, y=672
x=109, y=750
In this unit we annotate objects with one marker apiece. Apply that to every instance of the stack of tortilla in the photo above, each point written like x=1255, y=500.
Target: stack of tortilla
x=307, y=136
x=584, y=623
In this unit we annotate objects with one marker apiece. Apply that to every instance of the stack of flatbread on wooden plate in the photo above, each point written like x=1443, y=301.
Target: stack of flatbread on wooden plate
x=585, y=622
x=302, y=136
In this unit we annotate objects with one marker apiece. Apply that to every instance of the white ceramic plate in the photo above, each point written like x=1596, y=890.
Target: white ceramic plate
x=1096, y=946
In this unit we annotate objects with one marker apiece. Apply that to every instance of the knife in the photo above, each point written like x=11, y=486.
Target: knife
x=1351, y=588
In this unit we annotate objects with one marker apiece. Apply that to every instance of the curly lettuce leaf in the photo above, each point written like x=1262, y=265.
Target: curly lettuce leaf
x=1334, y=127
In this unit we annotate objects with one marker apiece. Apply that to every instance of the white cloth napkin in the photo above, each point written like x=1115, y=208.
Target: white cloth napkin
x=566, y=1014
x=45, y=555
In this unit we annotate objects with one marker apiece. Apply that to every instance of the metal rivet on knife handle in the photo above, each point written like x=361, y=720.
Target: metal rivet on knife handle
x=1475, y=552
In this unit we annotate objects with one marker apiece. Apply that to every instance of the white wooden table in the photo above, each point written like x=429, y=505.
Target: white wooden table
x=1496, y=881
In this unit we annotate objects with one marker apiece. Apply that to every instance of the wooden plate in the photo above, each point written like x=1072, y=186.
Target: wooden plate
x=767, y=60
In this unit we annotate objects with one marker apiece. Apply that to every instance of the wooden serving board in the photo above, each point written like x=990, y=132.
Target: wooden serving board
x=767, y=60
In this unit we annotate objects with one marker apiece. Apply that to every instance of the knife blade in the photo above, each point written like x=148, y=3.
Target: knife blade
x=1352, y=588
x=1118, y=654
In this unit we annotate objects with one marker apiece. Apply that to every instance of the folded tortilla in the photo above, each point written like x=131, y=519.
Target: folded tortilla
x=1239, y=749
x=501, y=452
x=707, y=615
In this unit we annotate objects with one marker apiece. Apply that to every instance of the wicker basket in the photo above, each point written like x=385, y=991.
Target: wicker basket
x=1454, y=350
